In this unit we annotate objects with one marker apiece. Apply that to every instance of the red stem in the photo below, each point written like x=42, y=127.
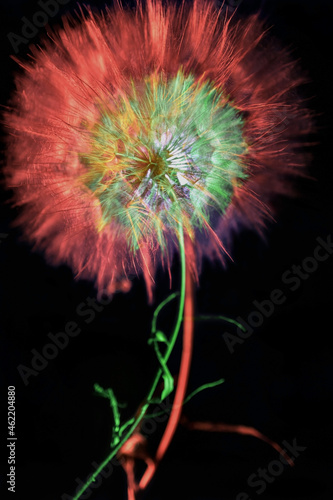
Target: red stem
x=239, y=429
x=182, y=381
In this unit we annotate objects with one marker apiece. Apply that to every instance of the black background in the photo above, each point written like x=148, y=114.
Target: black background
x=279, y=381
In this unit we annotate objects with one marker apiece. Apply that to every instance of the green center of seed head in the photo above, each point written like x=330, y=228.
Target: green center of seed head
x=168, y=152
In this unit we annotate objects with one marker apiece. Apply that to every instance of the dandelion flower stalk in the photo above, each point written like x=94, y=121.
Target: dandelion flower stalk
x=188, y=333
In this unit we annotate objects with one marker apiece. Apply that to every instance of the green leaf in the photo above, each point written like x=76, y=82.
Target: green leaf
x=161, y=337
x=168, y=382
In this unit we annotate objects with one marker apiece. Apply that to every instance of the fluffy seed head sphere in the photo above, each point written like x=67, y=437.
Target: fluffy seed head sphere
x=127, y=125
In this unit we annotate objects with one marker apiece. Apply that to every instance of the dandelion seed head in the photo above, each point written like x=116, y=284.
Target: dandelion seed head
x=127, y=125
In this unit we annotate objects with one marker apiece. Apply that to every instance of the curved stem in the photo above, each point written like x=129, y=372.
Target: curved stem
x=185, y=366
x=159, y=373
x=239, y=429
